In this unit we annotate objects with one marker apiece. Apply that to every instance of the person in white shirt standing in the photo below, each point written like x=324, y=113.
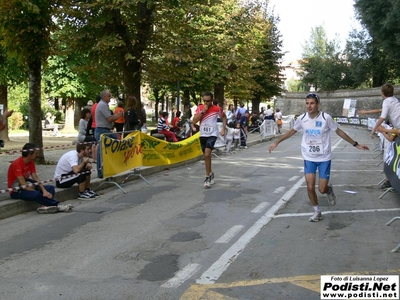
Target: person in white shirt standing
x=316, y=150
x=390, y=108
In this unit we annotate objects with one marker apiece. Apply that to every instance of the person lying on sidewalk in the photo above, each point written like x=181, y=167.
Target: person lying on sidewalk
x=23, y=179
x=74, y=167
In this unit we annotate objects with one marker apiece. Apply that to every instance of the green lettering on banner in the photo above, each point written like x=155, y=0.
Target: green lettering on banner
x=185, y=152
x=151, y=156
x=169, y=155
x=173, y=146
x=192, y=142
x=150, y=143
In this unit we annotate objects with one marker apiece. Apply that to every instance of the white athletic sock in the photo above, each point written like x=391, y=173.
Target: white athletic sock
x=316, y=208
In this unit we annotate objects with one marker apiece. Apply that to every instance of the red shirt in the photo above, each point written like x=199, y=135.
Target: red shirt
x=93, y=112
x=19, y=168
x=208, y=121
x=175, y=122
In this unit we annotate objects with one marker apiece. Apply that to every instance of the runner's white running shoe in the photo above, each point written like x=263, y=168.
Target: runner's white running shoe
x=316, y=217
x=207, y=182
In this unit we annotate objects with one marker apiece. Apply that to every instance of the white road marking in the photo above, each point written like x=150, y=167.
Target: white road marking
x=181, y=276
x=293, y=178
x=279, y=190
x=337, y=212
x=260, y=207
x=229, y=234
x=219, y=267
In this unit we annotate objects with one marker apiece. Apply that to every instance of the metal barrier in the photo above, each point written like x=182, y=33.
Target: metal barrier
x=110, y=180
x=267, y=129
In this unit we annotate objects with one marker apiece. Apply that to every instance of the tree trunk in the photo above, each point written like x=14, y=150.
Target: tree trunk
x=69, y=115
x=3, y=101
x=35, y=112
x=219, y=93
x=132, y=67
x=186, y=103
x=157, y=97
x=255, y=103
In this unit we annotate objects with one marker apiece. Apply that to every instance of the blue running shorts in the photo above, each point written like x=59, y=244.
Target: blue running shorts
x=324, y=168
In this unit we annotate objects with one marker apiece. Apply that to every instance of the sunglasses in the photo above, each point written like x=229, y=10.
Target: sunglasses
x=312, y=95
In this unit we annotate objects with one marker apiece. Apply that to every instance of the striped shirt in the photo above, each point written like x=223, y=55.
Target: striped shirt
x=162, y=124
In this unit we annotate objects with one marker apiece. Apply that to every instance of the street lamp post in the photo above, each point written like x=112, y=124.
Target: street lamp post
x=178, y=84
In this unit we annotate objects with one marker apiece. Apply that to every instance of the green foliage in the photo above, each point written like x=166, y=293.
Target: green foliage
x=322, y=64
x=65, y=79
x=18, y=100
x=370, y=66
x=25, y=28
x=381, y=18
x=295, y=85
x=16, y=121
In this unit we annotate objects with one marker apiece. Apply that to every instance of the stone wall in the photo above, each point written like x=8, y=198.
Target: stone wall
x=332, y=102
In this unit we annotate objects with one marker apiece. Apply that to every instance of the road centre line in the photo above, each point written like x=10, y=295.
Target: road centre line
x=260, y=207
x=279, y=190
x=181, y=276
x=229, y=234
x=211, y=275
x=329, y=212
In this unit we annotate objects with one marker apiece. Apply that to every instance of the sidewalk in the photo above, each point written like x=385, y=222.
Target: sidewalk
x=10, y=207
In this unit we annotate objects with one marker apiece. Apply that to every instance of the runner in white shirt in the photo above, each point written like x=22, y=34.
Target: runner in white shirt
x=316, y=150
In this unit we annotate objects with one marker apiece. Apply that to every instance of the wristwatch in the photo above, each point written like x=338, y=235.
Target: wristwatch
x=355, y=144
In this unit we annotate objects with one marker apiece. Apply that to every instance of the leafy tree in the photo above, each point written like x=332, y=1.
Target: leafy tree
x=10, y=74
x=370, y=66
x=25, y=28
x=267, y=73
x=114, y=35
x=65, y=80
x=381, y=18
x=322, y=63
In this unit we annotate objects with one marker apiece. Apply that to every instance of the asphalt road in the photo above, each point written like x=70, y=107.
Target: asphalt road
x=247, y=237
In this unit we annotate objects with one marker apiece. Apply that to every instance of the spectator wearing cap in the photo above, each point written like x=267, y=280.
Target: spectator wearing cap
x=89, y=105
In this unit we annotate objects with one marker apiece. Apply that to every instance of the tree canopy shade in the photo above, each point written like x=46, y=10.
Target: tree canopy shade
x=25, y=28
x=113, y=35
x=381, y=18
x=84, y=45
x=323, y=65
x=369, y=65
x=220, y=46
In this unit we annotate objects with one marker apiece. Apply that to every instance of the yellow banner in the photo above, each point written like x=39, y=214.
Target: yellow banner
x=119, y=156
x=157, y=152
x=139, y=149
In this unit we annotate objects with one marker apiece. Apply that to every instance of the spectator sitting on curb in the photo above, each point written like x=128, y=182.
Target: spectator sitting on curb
x=74, y=167
x=19, y=173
